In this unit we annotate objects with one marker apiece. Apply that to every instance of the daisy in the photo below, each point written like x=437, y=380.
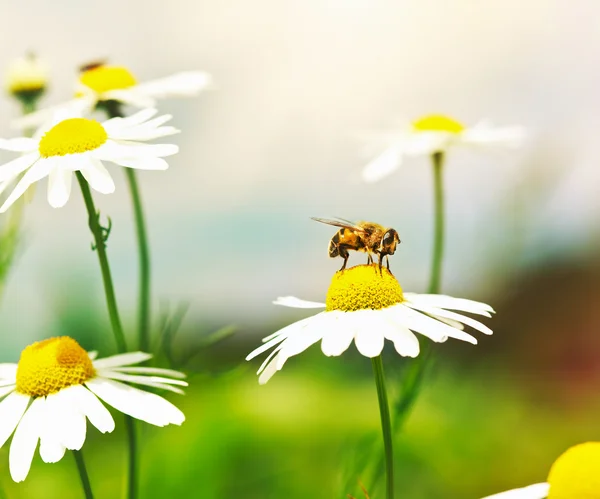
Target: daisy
x=102, y=83
x=81, y=144
x=367, y=305
x=436, y=134
x=26, y=78
x=574, y=475
x=65, y=384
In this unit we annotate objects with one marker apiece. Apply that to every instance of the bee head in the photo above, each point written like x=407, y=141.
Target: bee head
x=333, y=249
x=389, y=242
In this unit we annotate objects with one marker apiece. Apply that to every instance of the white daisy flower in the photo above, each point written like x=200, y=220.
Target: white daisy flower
x=102, y=83
x=81, y=144
x=434, y=134
x=64, y=384
x=367, y=305
x=26, y=77
x=574, y=475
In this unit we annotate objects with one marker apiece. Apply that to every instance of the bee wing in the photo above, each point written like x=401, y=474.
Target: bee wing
x=340, y=222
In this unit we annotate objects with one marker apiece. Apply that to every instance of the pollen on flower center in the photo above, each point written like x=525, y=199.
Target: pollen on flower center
x=363, y=287
x=437, y=123
x=104, y=78
x=575, y=473
x=48, y=366
x=72, y=136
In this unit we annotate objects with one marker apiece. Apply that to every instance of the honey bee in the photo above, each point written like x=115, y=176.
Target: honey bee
x=368, y=237
x=92, y=65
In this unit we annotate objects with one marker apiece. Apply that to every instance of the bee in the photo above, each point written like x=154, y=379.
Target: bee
x=92, y=65
x=368, y=237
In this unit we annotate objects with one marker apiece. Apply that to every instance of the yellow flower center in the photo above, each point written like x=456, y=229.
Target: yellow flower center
x=576, y=473
x=363, y=287
x=72, y=136
x=437, y=123
x=49, y=366
x=104, y=78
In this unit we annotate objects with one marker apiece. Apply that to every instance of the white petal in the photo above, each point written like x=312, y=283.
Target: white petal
x=368, y=337
x=279, y=336
x=143, y=163
x=537, y=491
x=51, y=448
x=8, y=371
x=93, y=354
x=303, y=338
x=140, y=380
x=11, y=410
x=151, y=370
x=98, y=177
x=449, y=302
x=130, y=96
x=37, y=172
x=59, y=187
x=129, y=121
x=93, y=409
x=136, y=403
x=269, y=371
x=133, y=150
x=338, y=334
x=72, y=429
x=21, y=144
x=45, y=117
x=293, y=302
x=183, y=84
x=5, y=390
x=143, y=133
x=268, y=359
x=427, y=143
x=432, y=328
x=510, y=136
x=22, y=447
x=384, y=164
x=13, y=168
x=405, y=342
x=122, y=359
x=452, y=315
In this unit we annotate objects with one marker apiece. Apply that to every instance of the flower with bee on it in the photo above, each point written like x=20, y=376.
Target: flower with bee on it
x=435, y=134
x=366, y=305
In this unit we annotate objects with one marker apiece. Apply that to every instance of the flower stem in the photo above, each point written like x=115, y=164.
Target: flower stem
x=132, y=464
x=85, y=479
x=144, y=261
x=99, y=234
x=113, y=110
x=386, y=424
x=438, y=231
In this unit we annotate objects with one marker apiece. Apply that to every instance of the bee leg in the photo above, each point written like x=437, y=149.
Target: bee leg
x=387, y=261
x=369, y=258
x=345, y=262
x=380, y=262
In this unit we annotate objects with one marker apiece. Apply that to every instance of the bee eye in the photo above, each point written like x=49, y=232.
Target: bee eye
x=388, y=237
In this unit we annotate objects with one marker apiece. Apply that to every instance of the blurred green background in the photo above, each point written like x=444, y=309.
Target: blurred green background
x=277, y=142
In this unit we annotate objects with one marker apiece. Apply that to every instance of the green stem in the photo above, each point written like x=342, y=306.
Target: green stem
x=438, y=231
x=113, y=312
x=85, y=479
x=386, y=425
x=113, y=110
x=144, y=261
x=100, y=247
x=132, y=484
